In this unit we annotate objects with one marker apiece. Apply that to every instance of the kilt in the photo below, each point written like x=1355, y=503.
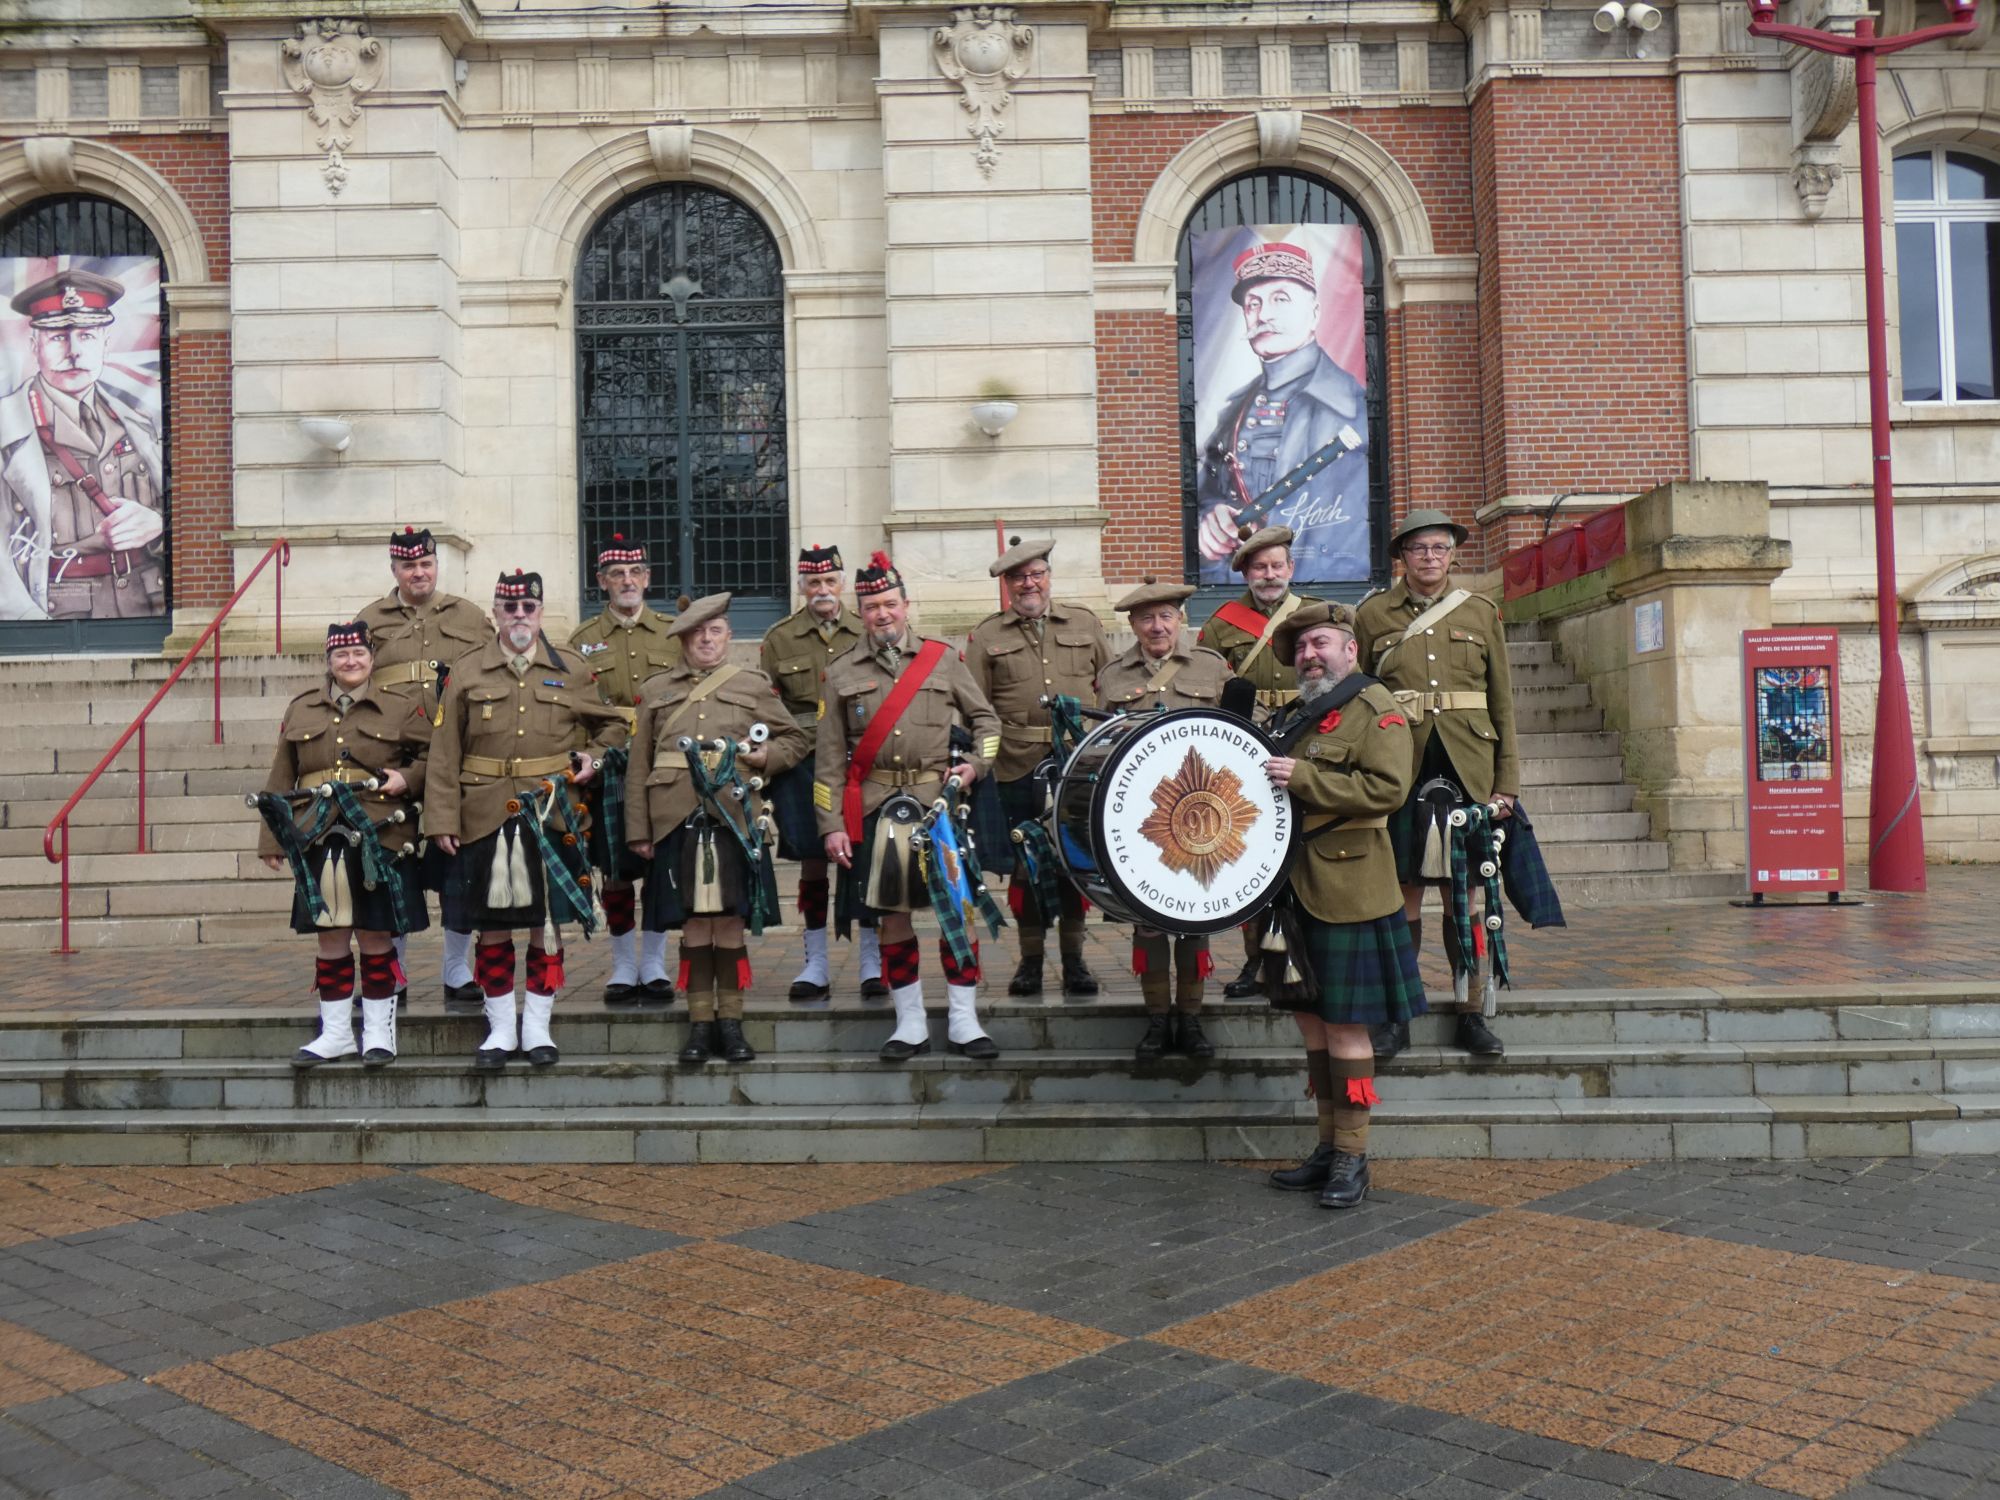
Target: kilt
x=666, y=900
x=1407, y=828
x=630, y=866
x=998, y=807
x=1367, y=971
x=464, y=894
x=791, y=803
x=373, y=911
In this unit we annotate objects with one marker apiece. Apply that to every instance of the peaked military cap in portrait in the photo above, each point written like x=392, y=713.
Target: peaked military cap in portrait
x=519, y=585
x=817, y=559
x=69, y=299
x=877, y=577
x=1019, y=554
x=1278, y=262
x=1250, y=541
x=618, y=552
x=693, y=616
x=1285, y=639
x=1152, y=591
x=347, y=633
x=1426, y=520
x=411, y=543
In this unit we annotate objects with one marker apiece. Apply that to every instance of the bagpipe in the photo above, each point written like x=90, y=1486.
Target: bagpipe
x=727, y=808
x=931, y=854
x=547, y=818
x=337, y=829
x=1034, y=846
x=1477, y=946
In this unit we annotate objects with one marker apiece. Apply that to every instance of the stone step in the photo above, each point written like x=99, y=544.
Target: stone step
x=1784, y=1126
x=1599, y=889
x=1548, y=673
x=162, y=836
x=1584, y=720
x=1599, y=856
x=1240, y=1074
x=1521, y=652
x=1570, y=770
x=94, y=673
x=1571, y=827
x=100, y=869
x=1566, y=746
x=100, y=809
x=46, y=786
x=23, y=735
x=1540, y=695
x=240, y=753
x=1588, y=798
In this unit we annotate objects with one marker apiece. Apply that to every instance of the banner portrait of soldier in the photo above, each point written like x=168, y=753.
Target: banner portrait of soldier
x=82, y=474
x=1280, y=388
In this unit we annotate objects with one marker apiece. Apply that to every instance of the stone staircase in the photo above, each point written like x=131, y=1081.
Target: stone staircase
x=199, y=880
x=1837, y=1071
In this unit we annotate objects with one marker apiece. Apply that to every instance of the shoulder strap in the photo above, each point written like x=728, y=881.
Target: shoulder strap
x=1165, y=675
x=1283, y=613
x=1431, y=616
x=1242, y=616
x=706, y=686
x=862, y=761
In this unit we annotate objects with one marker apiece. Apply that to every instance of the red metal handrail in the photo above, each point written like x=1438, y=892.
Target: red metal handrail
x=282, y=551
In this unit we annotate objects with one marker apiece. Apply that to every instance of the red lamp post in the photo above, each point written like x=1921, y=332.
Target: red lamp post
x=1895, y=818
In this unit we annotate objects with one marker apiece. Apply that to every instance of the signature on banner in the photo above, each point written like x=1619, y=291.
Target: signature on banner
x=23, y=548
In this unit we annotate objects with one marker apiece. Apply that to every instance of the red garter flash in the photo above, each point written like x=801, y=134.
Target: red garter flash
x=1204, y=965
x=1138, y=959
x=743, y=973
x=1017, y=898
x=1361, y=1093
x=687, y=974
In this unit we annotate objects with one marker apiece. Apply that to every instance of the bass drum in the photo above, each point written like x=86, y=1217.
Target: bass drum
x=1167, y=820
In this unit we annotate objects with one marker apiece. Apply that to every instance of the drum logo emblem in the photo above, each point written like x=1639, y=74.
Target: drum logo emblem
x=1199, y=818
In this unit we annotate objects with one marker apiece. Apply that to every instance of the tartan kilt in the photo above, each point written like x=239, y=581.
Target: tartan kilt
x=630, y=867
x=1367, y=971
x=465, y=895
x=997, y=807
x=373, y=911
x=664, y=905
x=791, y=804
x=1407, y=827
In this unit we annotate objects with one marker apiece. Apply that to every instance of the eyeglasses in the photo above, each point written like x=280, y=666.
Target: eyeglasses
x=520, y=607
x=1038, y=575
x=1428, y=549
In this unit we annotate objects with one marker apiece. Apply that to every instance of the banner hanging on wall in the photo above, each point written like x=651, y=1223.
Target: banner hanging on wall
x=1280, y=394
x=82, y=475
x=1797, y=836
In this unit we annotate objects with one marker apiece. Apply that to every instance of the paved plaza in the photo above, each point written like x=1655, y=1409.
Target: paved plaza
x=1557, y=1330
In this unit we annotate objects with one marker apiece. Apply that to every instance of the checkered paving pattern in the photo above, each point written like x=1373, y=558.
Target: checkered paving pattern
x=1559, y=1331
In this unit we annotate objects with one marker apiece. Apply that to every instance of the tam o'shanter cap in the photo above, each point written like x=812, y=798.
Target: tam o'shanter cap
x=518, y=585
x=347, y=633
x=1426, y=520
x=1285, y=639
x=410, y=543
x=878, y=577
x=699, y=613
x=1019, y=554
x=1152, y=591
x=1251, y=541
x=618, y=550
x=816, y=559
x=1279, y=262
x=69, y=299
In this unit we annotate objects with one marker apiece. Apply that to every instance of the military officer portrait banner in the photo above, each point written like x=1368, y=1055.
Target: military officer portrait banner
x=80, y=452
x=1280, y=388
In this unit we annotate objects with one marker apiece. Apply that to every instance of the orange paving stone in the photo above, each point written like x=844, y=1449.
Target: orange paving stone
x=1497, y=1184
x=704, y=1202
x=34, y=1369
x=39, y=1203
x=661, y=1376
x=1728, y=1359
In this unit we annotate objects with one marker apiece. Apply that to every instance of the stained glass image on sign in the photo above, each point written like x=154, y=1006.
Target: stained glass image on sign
x=1794, y=724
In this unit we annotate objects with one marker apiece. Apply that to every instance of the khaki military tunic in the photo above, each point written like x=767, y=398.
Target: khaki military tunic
x=1275, y=682
x=378, y=732
x=503, y=734
x=621, y=655
x=411, y=641
x=1133, y=680
x=96, y=435
x=1359, y=768
x=1452, y=680
x=1014, y=664
x=659, y=791
x=796, y=654
x=917, y=753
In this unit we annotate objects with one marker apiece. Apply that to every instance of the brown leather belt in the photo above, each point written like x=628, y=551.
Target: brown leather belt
x=1420, y=705
x=101, y=565
x=1041, y=734
x=905, y=778
x=526, y=765
x=352, y=775
x=402, y=672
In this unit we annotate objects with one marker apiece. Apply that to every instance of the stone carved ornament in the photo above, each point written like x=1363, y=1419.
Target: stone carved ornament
x=333, y=62
x=1823, y=102
x=983, y=51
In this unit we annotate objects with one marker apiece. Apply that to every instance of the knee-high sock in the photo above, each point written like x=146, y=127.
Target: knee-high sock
x=1070, y=928
x=1027, y=916
x=621, y=904
x=1354, y=1097
x=1192, y=966
x=1319, y=1068
x=1151, y=955
x=496, y=968
x=813, y=896
x=334, y=977
x=732, y=978
x=378, y=976
x=899, y=963
x=698, y=981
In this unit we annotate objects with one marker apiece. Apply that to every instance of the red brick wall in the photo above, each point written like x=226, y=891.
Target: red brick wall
x=1138, y=445
x=1583, y=360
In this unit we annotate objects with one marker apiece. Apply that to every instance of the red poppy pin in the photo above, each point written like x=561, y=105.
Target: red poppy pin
x=1330, y=721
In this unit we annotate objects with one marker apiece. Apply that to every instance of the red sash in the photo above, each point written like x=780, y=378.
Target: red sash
x=862, y=761
x=1243, y=617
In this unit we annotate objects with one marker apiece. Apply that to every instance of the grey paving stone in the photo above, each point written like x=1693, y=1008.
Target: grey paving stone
x=1128, y=1247
x=142, y=1297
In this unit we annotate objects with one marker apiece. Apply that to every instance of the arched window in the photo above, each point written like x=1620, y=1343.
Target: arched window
x=83, y=369
x=680, y=336
x=1331, y=428
x=1947, y=239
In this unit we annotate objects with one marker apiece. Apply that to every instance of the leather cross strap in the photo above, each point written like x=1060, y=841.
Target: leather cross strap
x=862, y=761
x=76, y=471
x=702, y=689
x=1234, y=612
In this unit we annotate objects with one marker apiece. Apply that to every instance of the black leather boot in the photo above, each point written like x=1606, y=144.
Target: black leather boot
x=1190, y=1038
x=1158, y=1037
x=1389, y=1038
x=1027, y=978
x=617, y=995
x=1347, y=1183
x=1476, y=1037
x=700, y=1043
x=655, y=992
x=464, y=1000
x=729, y=1036
x=1077, y=978
x=1308, y=1174
x=1248, y=983
x=874, y=987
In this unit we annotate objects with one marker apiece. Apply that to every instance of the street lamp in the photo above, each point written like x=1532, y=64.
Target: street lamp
x=1895, y=817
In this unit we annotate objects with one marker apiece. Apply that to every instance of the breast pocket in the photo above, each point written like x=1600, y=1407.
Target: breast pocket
x=799, y=682
x=1075, y=653
x=1468, y=653
x=483, y=705
x=303, y=736
x=1339, y=846
x=1011, y=664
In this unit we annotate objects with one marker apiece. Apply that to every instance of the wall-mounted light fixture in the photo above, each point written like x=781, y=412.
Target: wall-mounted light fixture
x=993, y=416
x=330, y=433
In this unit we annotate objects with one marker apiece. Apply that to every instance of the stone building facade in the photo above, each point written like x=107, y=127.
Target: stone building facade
x=483, y=236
